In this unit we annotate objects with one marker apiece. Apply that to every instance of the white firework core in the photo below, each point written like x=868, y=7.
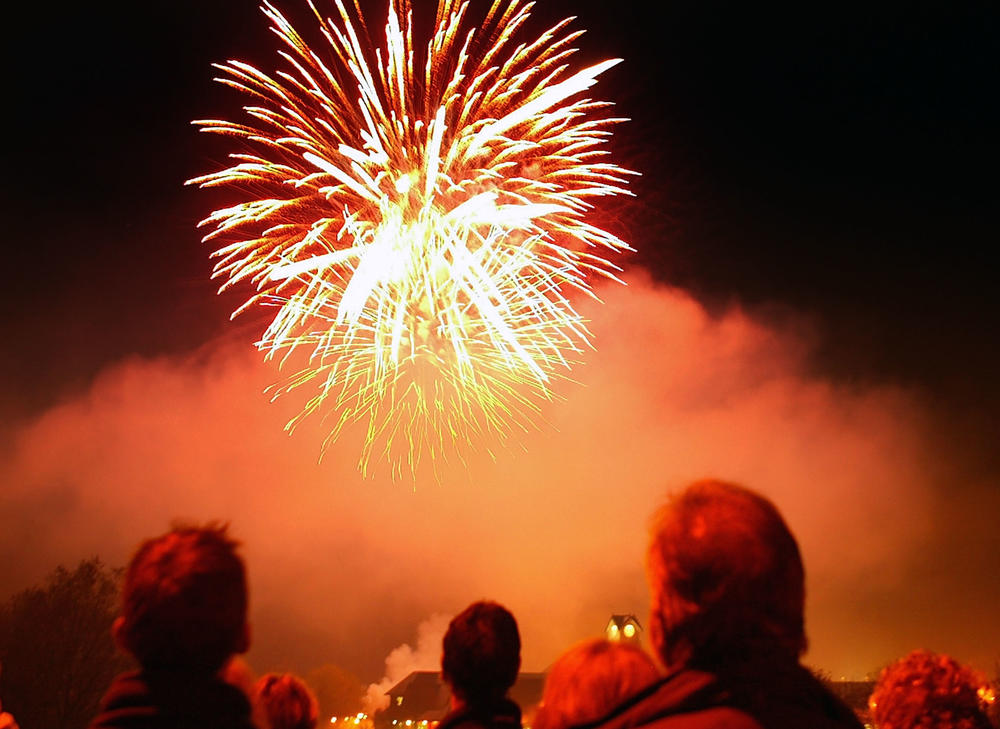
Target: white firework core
x=422, y=232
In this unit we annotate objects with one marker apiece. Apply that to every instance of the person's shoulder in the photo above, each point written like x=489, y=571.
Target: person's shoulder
x=164, y=699
x=463, y=722
x=502, y=715
x=685, y=700
x=473, y=721
x=715, y=717
x=459, y=719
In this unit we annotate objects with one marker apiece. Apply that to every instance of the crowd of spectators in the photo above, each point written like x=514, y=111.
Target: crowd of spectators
x=726, y=627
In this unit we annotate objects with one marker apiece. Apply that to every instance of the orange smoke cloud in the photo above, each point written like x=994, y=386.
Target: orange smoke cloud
x=342, y=570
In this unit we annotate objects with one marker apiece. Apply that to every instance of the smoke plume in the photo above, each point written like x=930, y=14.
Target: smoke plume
x=342, y=569
x=403, y=660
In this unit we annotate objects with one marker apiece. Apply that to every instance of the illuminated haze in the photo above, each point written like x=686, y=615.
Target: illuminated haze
x=345, y=570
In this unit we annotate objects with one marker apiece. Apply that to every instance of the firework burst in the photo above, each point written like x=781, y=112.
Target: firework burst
x=419, y=220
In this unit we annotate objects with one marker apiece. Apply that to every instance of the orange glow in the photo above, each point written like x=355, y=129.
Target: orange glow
x=420, y=231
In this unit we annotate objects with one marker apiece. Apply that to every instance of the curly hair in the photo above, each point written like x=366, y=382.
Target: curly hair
x=925, y=690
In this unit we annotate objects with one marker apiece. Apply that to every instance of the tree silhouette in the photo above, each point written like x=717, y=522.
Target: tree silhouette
x=56, y=647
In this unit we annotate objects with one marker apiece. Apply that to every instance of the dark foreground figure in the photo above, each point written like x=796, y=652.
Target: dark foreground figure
x=726, y=618
x=480, y=659
x=184, y=609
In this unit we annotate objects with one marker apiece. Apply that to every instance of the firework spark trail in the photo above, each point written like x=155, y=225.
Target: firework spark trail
x=421, y=235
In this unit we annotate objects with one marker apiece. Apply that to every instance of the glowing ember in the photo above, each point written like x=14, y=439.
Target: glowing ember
x=421, y=233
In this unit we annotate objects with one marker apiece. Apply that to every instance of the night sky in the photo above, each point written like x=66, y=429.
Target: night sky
x=825, y=173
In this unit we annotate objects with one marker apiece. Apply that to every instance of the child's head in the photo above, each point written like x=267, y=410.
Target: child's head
x=590, y=680
x=184, y=601
x=286, y=702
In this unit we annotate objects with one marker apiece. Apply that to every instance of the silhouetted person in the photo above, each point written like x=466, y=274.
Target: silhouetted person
x=480, y=659
x=286, y=702
x=726, y=620
x=184, y=615
x=929, y=691
x=590, y=679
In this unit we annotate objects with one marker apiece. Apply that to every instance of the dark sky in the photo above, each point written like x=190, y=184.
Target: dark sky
x=834, y=160
x=825, y=168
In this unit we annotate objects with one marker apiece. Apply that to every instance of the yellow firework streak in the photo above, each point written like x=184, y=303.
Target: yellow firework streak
x=421, y=233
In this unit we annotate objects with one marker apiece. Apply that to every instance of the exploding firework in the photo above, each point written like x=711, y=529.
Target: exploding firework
x=419, y=220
